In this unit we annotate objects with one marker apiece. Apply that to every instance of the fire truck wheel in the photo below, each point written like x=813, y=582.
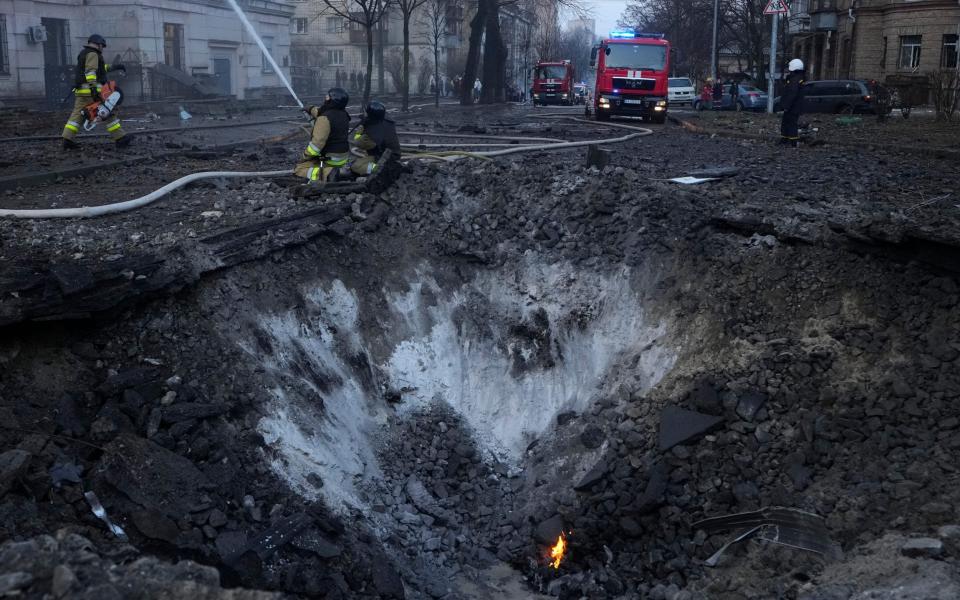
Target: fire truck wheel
x=603, y=116
x=659, y=119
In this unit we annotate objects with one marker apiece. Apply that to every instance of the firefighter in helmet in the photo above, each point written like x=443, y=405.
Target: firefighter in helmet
x=91, y=74
x=375, y=135
x=328, y=148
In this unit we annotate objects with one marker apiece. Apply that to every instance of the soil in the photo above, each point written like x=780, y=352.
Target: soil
x=412, y=393
x=921, y=131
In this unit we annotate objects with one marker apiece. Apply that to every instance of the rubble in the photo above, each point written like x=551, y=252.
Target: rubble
x=799, y=348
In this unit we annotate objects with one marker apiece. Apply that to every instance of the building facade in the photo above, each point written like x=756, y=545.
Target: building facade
x=328, y=49
x=170, y=45
x=875, y=39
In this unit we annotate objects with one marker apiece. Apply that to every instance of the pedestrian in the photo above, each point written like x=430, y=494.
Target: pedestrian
x=353, y=80
x=706, y=95
x=375, y=135
x=735, y=94
x=328, y=148
x=89, y=77
x=791, y=102
x=477, y=88
x=717, y=94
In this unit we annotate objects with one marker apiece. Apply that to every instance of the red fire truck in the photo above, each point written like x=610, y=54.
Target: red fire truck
x=632, y=73
x=553, y=83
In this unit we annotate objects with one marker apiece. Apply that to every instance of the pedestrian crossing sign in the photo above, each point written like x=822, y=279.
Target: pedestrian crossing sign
x=776, y=7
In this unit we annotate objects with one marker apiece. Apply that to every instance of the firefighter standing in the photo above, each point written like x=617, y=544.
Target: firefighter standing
x=91, y=74
x=328, y=148
x=791, y=101
x=375, y=135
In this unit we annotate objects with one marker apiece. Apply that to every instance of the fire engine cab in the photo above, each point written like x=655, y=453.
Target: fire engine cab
x=632, y=71
x=553, y=83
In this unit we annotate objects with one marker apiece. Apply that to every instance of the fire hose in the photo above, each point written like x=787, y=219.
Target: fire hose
x=119, y=207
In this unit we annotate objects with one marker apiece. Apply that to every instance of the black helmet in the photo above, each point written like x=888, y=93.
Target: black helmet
x=338, y=97
x=97, y=39
x=376, y=111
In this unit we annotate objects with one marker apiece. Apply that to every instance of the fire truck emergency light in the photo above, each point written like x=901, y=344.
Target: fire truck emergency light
x=623, y=33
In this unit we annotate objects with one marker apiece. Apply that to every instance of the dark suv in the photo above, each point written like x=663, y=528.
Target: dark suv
x=844, y=96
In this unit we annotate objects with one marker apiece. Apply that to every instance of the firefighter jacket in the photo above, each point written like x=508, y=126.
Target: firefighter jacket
x=791, y=101
x=91, y=72
x=375, y=138
x=330, y=129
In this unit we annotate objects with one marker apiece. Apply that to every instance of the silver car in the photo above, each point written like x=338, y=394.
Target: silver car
x=680, y=91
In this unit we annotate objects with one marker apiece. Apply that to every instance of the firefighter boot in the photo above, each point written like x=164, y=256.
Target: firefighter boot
x=70, y=144
x=124, y=141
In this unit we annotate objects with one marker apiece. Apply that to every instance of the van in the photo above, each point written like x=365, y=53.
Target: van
x=837, y=96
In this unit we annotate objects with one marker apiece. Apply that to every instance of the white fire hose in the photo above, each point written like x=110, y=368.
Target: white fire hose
x=119, y=207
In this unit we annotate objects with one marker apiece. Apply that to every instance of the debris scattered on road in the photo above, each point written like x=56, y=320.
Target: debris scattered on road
x=786, y=526
x=101, y=513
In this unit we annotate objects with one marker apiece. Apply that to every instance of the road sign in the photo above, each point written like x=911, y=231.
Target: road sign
x=776, y=7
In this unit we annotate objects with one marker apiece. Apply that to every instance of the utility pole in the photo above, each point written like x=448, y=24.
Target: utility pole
x=773, y=61
x=713, y=47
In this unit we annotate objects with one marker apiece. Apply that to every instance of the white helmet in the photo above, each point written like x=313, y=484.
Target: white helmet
x=795, y=65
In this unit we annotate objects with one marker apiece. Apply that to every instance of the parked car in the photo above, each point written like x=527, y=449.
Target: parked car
x=580, y=93
x=836, y=96
x=750, y=98
x=680, y=91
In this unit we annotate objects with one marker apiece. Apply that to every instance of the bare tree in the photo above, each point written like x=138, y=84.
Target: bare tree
x=368, y=14
x=434, y=22
x=407, y=8
x=945, y=92
x=683, y=23
x=393, y=65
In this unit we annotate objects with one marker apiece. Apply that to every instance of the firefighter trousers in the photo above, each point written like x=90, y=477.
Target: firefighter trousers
x=364, y=165
x=319, y=168
x=75, y=121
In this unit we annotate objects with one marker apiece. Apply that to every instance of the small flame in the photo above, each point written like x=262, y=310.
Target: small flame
x=556, y=553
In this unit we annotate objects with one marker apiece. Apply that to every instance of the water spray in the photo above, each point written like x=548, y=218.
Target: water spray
x=276, y=69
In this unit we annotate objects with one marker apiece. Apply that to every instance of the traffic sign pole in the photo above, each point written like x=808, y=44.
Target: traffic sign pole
x=773, y=61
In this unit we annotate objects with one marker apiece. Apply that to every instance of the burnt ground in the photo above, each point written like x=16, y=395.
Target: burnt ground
x=412, y=393
x=919, y=134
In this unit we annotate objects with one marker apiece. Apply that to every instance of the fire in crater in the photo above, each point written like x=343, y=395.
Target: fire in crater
x=557, y=552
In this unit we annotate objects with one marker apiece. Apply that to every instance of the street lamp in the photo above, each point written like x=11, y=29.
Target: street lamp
x=713, y=47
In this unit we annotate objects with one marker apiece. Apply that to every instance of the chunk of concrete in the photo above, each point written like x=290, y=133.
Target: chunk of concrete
x=597, y=472
x=679, y=426
x=922, y=548
x=750, y=403
x=13, y=464
x=548, y=531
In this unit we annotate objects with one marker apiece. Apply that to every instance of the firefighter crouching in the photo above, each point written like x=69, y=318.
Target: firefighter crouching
x=375, y=135
x=91, y=74
x=328, y=148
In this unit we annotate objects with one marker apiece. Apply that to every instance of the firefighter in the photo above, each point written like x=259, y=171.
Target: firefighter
x=375, y=135
x=91, y=73
x=328, y=148
x=791, y=101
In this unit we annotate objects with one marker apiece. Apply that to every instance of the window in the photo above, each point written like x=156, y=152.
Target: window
x=298, y=25
x=298, y=58
x=909, y=52
x=173, y=45
x=948, y=56
x=4, y=56
x=266, y=67
x=334, y=24
x=635, y=56
x=335, y=58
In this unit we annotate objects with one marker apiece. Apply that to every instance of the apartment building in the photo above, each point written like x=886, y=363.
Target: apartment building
x=172, y=46
x=328, y=49
x=874, y=39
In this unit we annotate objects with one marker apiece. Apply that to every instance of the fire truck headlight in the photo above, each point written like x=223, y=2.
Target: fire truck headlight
x=662, y=103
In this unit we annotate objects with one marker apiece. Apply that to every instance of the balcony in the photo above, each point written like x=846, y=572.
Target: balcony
x=823, y=21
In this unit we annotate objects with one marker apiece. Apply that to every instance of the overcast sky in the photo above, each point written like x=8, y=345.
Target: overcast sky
x=606, y=12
